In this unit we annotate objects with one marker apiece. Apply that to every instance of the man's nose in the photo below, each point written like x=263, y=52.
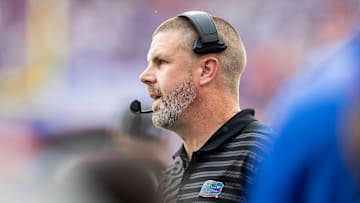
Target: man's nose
x=147, y=76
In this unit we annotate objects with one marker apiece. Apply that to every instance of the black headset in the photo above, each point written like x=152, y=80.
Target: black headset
x=209, y=41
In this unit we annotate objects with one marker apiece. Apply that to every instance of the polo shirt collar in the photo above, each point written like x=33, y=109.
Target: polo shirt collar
x=231, y=128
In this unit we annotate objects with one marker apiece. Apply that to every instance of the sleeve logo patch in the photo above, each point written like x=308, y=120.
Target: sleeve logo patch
x=211, y=188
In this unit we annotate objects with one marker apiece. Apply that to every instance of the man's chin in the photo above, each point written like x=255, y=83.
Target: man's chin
x=160, y=122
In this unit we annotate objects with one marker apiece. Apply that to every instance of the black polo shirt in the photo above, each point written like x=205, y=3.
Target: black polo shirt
x=222, y=168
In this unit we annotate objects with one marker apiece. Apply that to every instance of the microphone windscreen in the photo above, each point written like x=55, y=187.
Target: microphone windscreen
x=135, y=107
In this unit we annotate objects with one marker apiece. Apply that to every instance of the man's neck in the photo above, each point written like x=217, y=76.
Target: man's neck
x=197, y=131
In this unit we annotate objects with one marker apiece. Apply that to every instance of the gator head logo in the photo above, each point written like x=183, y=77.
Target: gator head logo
x=211, y=188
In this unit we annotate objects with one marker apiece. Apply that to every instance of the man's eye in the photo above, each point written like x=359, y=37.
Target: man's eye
x=162, y=62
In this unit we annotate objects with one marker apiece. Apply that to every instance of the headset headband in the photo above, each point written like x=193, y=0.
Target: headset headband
x=209, y=40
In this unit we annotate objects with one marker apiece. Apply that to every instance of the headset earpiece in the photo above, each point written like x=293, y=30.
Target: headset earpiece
x=209, y=40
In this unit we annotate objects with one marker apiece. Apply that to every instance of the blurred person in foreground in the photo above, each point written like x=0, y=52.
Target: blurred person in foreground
x=130, y=172
x=113, y=180
x=315, y=156
x=196, y=95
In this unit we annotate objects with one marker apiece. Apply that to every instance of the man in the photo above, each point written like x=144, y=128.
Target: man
x=196, y=95
x=314, y=158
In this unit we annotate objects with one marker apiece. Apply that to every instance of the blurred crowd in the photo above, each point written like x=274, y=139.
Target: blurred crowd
x=69, y=69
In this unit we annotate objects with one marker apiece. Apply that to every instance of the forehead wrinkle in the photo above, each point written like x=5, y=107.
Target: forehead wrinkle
x=169, y=39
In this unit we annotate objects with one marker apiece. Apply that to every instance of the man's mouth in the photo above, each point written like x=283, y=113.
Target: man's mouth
x=155, y=97
x=156, y=101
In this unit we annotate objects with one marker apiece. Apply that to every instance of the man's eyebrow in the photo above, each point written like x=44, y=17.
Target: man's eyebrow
x=152, y=58
x=156, y=56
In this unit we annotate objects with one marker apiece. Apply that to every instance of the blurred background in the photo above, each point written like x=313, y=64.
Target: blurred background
x=69, y=69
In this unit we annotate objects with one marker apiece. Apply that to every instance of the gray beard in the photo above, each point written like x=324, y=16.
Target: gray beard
x=174, y=104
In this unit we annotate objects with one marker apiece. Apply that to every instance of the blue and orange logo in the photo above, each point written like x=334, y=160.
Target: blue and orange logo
x=211, y=188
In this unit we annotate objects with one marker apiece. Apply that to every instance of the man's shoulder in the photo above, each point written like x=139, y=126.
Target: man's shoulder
x=255, y=130
x=259, y=128
x=256, y=135
x=245, y=124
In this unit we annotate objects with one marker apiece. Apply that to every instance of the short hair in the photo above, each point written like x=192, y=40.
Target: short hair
x=232, y=60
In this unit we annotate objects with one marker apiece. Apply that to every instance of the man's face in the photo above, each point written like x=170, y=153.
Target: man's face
x=169, y=78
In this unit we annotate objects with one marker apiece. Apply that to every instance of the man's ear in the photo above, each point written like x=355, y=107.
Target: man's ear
x=210, y=65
